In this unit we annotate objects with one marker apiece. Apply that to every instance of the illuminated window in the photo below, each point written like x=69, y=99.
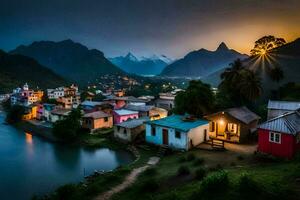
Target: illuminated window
x=275, y=137
x=232, y=127
x=106, y=119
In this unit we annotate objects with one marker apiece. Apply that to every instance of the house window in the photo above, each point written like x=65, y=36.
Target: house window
x=232, y=127
x=125, y=131
x=298, y=138
x=106, y=119
x=153, y=133
x=275, y=137
x=212, y=126
x=118, y=128
x=177, y=134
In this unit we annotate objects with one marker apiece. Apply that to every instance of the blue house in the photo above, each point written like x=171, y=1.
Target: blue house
x=177, y=131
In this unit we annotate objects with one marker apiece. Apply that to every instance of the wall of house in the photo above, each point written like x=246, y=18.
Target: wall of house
x=196, y=135
x=119, y=119
x=173, y=142
x=119, y=133
x=285, y=149
x=157, y=139
x=101, y=123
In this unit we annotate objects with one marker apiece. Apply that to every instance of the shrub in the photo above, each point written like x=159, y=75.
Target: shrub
x=198, y=161
x=247, y=185
x=149, y=185
x=183, y=170
x=216, y=168
x=190, y=157
x=150, y=172
x=200, y=173
x=182, y=159
x=66, y=192
x=217, y=180
x=240, y=157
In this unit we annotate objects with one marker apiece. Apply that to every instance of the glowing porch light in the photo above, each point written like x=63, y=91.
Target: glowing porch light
x=221, y=122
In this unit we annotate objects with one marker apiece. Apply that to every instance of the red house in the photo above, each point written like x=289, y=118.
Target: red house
x=280, y=136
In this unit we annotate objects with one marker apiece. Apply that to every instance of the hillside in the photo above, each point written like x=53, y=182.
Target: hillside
x=202, y=62
x=15, y=70
x=71, y=60
x=144, y=66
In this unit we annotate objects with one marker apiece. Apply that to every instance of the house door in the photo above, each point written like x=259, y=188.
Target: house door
x=165, y=137
x=205, y=135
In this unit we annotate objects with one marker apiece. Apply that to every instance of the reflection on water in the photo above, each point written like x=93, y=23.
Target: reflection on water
x=31, y=165
x=28, y=138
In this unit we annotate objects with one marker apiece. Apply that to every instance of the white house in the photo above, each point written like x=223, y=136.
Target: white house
x=177, y=131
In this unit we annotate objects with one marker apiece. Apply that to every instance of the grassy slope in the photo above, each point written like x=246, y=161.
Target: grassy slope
x=275, y=179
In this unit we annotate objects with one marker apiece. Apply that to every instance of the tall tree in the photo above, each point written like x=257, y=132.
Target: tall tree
x=198, y=99
x=250, y=85
x=263, y=45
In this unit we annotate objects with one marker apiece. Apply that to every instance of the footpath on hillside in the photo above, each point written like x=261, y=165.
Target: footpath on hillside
x=129, y=180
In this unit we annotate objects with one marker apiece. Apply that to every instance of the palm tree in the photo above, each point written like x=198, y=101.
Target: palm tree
x=250, y=85
x=231, y=72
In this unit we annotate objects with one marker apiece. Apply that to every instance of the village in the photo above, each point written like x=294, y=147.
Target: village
x=131, y=118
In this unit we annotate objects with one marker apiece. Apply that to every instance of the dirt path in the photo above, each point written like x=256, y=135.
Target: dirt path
x=129, y=180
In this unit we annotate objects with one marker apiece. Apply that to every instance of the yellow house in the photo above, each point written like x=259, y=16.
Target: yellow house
x=30, y=112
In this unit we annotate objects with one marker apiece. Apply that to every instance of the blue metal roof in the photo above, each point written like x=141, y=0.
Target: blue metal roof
x=177, y=122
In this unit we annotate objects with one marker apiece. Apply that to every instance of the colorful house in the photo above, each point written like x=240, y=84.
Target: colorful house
x=30, y=112
x=233, y=124
x=280, y=136
x=177, y=131
x=128, y=131
x=277, y=108
x=123, y=115
x=97, y=120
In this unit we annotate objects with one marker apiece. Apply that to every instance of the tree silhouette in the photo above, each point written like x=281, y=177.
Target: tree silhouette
x=265, y=44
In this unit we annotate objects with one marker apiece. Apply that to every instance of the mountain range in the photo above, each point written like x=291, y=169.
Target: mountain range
x=144, y=66
x=202, y=62
x=287, y=57
x=15, y=70
x=71, y=60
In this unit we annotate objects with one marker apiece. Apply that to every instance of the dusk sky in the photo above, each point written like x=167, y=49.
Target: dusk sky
x=145, y=27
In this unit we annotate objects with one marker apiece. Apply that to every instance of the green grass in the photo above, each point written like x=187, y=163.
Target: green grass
x=276, y=180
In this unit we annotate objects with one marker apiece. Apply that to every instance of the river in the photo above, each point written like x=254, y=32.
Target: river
x=31, y=165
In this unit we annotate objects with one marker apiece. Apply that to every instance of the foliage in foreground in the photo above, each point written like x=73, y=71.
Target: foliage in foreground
x=14, y=114
x=68, y=128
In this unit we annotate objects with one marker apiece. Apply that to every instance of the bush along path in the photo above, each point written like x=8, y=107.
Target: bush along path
x=129, y=180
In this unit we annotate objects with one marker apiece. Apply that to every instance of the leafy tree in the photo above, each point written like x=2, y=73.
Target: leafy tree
x=239, y=85
x=198, y=99
x=15, y=114
x=68, y=128
x=265, y=44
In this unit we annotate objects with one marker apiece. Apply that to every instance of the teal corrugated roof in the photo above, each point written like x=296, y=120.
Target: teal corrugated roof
x=176, y=122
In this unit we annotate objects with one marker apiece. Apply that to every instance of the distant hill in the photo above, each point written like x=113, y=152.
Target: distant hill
x=69, y=59
x=286, y=57
x=15, y=70
x=144, y=66
x=202, y=62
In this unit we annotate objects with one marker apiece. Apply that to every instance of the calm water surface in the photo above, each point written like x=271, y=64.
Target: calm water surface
x=30, y=165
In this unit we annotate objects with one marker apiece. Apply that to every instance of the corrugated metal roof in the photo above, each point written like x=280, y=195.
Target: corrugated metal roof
x=142, y=108
x=286, y=123
x=133, y=123
x=96, y=115
x=91, y=103
x=284, y=105
x=125, y=112
x=177, y=122
x=243, y=114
